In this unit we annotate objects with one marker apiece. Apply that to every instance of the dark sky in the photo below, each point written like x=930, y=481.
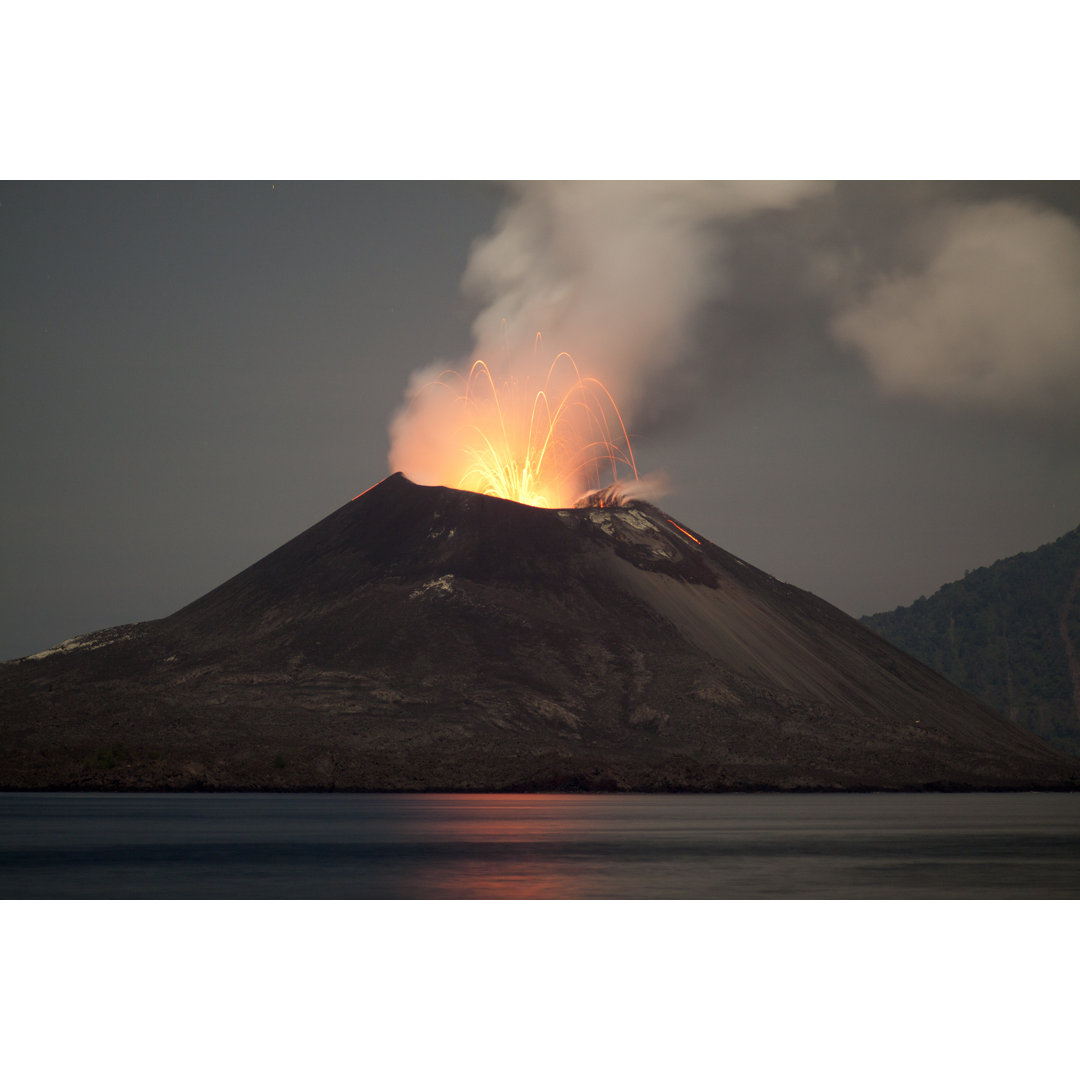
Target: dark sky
x=193, y=373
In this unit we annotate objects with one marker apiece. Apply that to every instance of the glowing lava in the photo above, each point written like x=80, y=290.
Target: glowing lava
x=545, y=446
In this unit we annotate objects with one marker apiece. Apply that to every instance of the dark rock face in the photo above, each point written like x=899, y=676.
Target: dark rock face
x=431, y=639
x=1009, y=634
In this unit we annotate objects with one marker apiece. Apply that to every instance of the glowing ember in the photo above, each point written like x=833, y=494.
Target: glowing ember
x=545, y=446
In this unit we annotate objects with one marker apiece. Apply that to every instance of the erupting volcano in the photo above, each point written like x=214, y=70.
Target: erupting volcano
x=428, y=638
x=503, y=612
x=494, y=432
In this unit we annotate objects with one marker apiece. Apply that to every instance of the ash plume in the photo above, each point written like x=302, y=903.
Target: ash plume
x=610, y=272
x=988, y=317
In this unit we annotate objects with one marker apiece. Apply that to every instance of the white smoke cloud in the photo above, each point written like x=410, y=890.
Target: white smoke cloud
x=611, y=271
x=992, y=317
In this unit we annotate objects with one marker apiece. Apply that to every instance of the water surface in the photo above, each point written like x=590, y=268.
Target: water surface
x=754, y=846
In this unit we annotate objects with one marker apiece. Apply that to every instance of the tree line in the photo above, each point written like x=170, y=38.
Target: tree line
x=1000, y=633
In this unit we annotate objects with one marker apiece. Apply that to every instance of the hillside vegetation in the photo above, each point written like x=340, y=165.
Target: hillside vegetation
x=1009, y=634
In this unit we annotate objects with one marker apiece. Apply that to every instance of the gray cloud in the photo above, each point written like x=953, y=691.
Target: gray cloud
x=611, y=271
x=991, y=317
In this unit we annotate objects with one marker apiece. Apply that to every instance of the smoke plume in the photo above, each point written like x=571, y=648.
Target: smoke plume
x=990, y=318
x=610, y=272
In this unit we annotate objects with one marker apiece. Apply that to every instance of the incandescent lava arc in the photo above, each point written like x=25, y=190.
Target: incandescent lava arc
x=496, y=433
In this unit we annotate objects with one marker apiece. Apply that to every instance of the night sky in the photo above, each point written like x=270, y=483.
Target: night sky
x=875, y=389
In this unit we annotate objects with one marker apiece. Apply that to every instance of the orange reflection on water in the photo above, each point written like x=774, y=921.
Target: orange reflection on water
x=490, y=828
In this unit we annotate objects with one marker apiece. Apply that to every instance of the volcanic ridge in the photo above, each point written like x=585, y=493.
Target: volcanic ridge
x=430, y=639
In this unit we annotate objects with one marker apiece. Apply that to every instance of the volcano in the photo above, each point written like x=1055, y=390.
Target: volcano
x=426, y=638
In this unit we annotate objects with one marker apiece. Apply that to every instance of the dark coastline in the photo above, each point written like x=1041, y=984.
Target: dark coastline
x=568, y=788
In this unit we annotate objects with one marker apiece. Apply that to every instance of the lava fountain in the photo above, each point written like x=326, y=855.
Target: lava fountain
x=496, y=433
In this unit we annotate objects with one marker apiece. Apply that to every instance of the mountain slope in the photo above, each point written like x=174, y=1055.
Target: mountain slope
x=1010, y=634
x=432, y=639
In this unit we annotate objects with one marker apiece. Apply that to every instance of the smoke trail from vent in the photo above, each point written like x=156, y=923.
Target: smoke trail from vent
x=610, y=272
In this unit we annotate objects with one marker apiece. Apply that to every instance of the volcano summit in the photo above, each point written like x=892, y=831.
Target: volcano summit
x=425, y=638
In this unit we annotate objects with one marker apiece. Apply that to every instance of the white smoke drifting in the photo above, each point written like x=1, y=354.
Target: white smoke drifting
x=992, y=318
x=610, y=272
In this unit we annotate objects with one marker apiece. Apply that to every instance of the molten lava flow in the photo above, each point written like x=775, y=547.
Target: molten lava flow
x=544, y=446
x=684, y=532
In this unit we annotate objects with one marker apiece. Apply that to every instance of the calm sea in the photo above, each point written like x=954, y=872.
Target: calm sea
x=196, y=846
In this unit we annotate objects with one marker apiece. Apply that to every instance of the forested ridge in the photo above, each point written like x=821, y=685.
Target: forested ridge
x=1008, y=633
